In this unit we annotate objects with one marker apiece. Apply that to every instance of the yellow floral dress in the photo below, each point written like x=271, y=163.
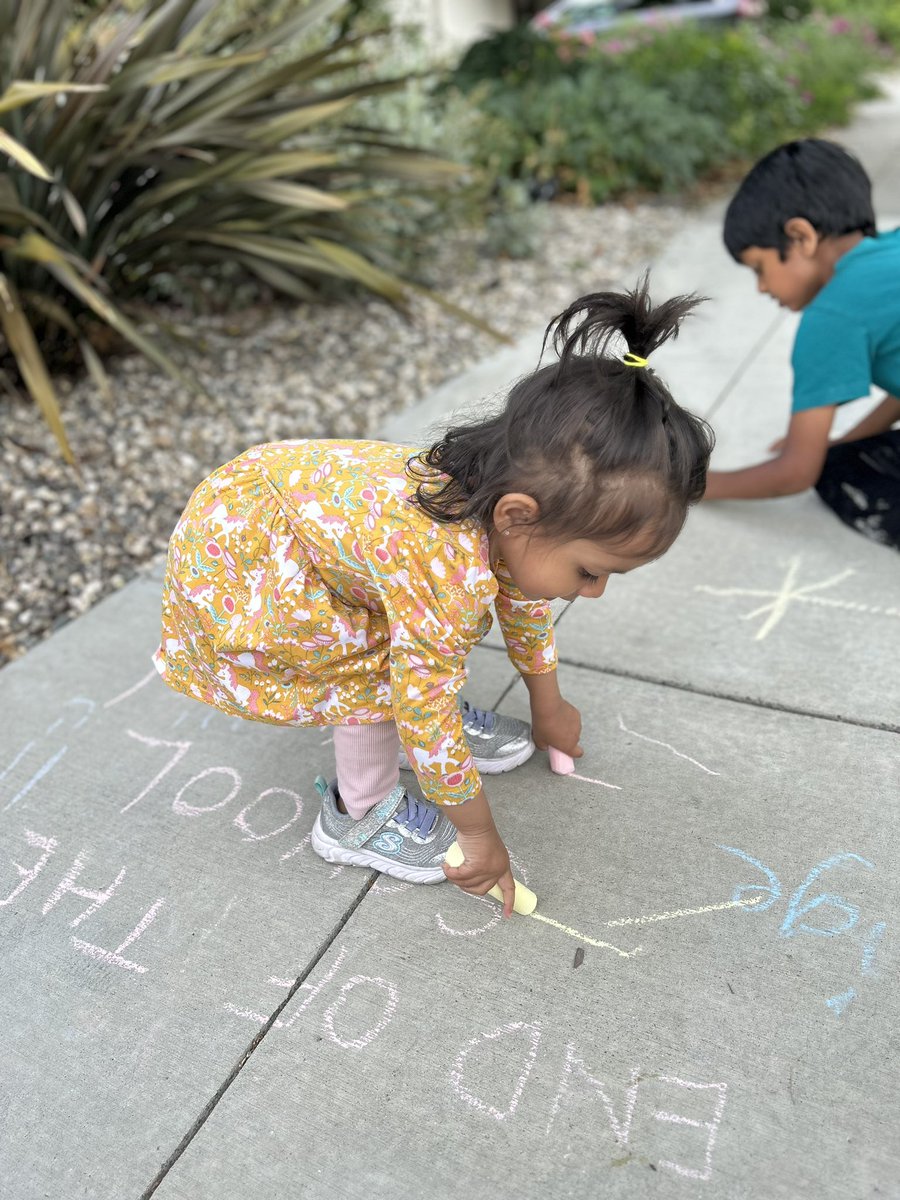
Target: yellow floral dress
x=305, y=587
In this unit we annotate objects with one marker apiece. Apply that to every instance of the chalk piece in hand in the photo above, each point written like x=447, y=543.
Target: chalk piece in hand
x=525, y=902
x=560, y=763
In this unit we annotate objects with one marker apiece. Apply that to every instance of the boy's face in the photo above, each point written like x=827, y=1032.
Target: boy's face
x=807, y=266
x=794, y=281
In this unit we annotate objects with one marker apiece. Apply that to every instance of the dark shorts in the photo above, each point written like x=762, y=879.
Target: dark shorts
x=860, y=483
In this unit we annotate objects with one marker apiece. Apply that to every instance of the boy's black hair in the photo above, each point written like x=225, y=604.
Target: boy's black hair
x=810, y=178
x=601, y=446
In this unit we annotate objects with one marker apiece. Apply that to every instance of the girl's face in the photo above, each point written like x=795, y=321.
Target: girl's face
x=546, y=569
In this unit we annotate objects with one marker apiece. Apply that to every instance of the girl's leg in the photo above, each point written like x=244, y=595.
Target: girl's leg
x=860, y=483
x=367, y=770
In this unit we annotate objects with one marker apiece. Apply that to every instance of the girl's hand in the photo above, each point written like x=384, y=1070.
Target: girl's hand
x=486, y=865
x=558, y=726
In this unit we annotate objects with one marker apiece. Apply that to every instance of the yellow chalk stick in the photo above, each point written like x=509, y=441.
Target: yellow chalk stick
x=525, y=902
x=560, y=764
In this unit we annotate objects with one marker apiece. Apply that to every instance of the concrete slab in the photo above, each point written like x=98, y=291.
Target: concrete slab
x=698, y=1050
x=190, y=999
x=153, y=857
x=781, y=605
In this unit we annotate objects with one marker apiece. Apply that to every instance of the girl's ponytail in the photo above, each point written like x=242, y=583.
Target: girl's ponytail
x=595, y=438
x=588, y=325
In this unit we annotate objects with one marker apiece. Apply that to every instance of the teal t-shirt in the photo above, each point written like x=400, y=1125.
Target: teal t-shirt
x=849, y=335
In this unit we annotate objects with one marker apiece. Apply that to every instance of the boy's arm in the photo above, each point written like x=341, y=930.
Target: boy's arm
x=795, y=469
x=879, y=420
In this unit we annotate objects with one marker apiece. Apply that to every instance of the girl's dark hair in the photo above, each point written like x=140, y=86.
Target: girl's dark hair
x=601, y=446
x=810, y=178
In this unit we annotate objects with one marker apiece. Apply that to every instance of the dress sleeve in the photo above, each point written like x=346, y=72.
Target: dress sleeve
x=436, y=597
x=832, y=359
x=527, y=627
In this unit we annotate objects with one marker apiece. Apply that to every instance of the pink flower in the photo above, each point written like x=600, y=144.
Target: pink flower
x=841, y=25
x=213, y=549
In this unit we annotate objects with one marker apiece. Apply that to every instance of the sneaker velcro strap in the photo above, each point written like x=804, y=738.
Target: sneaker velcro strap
x=362, y=830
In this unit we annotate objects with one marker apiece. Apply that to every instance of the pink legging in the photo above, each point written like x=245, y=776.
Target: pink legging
x=367, y=768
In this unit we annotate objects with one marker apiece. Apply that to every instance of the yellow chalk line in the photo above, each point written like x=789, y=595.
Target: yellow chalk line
x=583, y=937
x=683, y=912
x=664, y=916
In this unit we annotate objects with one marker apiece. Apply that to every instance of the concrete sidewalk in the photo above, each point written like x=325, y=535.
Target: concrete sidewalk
x=193, y=1005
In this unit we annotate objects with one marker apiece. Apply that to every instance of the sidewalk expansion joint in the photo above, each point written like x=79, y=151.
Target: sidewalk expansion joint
x=731, y=698
x=742, y=366
x=242, y=1061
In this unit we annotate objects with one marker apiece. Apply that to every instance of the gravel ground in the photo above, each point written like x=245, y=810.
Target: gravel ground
x=286, y=371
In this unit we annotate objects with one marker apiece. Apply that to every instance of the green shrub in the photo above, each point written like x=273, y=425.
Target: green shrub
x=174, y=148
x=655, y=107
x=881, y=17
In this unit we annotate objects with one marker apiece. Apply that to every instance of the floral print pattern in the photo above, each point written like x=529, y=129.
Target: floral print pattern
x=305, y=587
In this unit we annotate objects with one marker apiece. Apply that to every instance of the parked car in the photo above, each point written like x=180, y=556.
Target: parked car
x=579, y=17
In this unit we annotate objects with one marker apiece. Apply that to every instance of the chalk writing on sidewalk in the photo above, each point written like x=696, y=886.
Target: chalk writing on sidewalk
x=781, y=599
x=335, y=1016
x=491, y=1088
x=799, y=907
x=493, y=1071
x=69, y=885
x=665, y=745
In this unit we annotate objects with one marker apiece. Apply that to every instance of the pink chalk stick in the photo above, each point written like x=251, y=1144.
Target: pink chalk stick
x=560, y=763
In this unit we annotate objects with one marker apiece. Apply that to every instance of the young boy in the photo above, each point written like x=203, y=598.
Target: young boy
x=802, y=221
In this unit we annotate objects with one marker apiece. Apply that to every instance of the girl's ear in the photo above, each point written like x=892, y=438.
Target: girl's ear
x=802, y=235
x=515, y=510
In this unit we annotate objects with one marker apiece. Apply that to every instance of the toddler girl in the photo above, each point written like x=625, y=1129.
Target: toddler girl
x=344, y=583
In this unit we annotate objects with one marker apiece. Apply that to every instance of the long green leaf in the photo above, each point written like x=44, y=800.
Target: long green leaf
x=354, y=266
x=24, y=347
x=296, y=195
x=171, y=69
x=23, y=156
x=38, y=249
x=23, y=91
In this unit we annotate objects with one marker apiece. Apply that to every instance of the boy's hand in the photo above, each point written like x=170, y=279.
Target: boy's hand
x=558, y=726
x=486, y=865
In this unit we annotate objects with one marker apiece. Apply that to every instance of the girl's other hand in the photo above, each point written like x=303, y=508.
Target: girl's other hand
x=486, y=865
x=559, y=726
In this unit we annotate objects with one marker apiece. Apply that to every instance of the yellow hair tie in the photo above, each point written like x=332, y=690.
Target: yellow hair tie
x=634, y=360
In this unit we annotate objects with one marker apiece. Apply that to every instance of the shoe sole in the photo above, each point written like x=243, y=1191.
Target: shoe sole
x=486, y=766
x=332, y=851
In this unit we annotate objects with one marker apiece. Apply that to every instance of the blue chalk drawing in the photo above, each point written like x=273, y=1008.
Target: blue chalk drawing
x=837, y=1004
x=794, y=911
x=798, y=908
x=738, y=892
x=876, y=933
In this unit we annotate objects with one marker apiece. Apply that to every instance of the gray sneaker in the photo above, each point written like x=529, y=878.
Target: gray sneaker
x=497, y=743
x=403, y=836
